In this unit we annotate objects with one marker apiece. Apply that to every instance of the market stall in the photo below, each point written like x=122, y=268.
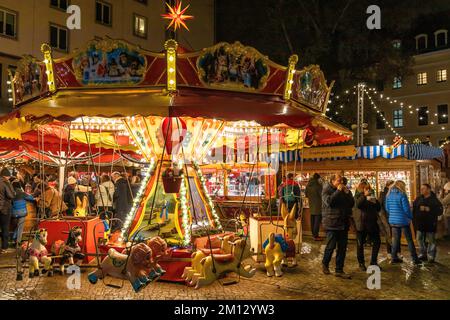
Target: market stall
x=414, y=164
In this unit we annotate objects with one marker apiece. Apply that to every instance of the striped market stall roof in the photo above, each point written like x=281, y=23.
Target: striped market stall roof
x=409, y=151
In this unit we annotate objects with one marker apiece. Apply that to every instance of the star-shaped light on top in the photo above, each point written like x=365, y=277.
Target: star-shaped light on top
x=177, y=16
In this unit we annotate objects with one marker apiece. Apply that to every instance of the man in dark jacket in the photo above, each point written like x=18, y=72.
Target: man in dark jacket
x=313, y=192
x=336, y=208
x=7, y=194
x=426, y=210
x=122, y=199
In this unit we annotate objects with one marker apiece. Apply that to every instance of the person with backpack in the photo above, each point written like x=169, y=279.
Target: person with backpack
x=290, y=199
x=19, y=209
x=313, y=192
x=426, y=210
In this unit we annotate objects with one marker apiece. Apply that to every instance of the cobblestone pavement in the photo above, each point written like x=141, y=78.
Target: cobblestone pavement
x=303, y=282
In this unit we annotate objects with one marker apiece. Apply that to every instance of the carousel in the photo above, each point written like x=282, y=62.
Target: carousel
x=174, y=114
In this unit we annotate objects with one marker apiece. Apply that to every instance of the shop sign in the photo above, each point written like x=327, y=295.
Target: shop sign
x=329, y=152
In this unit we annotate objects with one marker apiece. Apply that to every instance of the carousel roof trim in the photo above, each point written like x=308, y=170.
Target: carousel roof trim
x=227, y=81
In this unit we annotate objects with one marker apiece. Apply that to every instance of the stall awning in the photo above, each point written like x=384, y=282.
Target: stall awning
x=410, y=151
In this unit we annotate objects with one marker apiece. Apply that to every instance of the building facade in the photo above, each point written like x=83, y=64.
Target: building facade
x=417, y=106
x=25, y=25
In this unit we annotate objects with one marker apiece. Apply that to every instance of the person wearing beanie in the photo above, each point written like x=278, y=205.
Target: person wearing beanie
x=7, y=194
x=69, y=195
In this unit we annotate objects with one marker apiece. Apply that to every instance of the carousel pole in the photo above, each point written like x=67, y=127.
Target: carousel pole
x=62, y=171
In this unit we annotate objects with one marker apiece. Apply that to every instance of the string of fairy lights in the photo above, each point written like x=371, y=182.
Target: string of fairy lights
x=137, y=202
x=396, y=104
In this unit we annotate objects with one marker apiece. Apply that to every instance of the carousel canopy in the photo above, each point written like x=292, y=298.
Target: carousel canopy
x=114, y=79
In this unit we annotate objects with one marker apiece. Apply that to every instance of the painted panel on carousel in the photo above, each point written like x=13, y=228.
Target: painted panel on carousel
x=29, y=80
x=233, y=66
x=108, y=62
x=312, y=88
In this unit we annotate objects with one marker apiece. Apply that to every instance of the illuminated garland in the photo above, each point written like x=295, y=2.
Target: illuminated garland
x=392, y=101
x=184, y=211
x=208, y=198
x=138, y=198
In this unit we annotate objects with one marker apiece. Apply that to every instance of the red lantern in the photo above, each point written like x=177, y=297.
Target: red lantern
x=308, y=137
x=173, y=130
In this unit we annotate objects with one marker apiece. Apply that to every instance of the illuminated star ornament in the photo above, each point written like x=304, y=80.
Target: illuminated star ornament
x=177, y=16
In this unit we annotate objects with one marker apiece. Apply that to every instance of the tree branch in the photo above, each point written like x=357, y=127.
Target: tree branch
x=341, y=16
x=313, y=21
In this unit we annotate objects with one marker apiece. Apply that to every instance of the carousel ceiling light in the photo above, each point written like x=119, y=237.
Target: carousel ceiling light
x=177, y=16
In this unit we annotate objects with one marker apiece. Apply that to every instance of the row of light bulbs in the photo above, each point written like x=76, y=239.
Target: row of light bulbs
x=138, y=199
x=373, y=105
x=391, y=101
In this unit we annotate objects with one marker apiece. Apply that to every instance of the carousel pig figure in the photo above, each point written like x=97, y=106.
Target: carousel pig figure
x=273, y=249
x=36, y=252
x=138, y=266
x=70, y=251
x=217, y=265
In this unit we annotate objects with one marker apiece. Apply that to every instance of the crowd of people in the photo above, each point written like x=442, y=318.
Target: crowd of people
x=334, y=206
x=109, y=196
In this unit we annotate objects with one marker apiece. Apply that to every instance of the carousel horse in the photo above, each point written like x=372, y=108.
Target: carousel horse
x=199, y=255
x=70, y=251
x=140, y=266
x=35, y=252
x=216, y=265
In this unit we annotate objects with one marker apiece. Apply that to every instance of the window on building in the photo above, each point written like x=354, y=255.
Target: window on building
x=397, y=83
x=140, y=26
x=380, y=122
x=440, y=38
x=59, y=37
x=397, y=44
x=398, y=118
x=441, y=75
x=421, y=41
x=422, y=78
x=8, y=23
x=442, y=111
x=423, y=116
x=103, y=12
x=59, y=4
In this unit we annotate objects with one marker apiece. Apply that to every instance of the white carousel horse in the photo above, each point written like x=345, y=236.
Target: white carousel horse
x=35, y=252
